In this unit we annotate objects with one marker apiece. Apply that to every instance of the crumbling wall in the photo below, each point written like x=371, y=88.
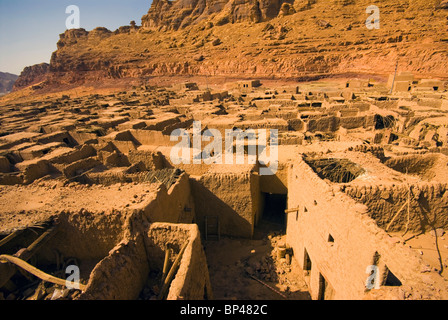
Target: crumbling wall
x=34, y=169
x=82, y=137
x=357, y=122
x=11, y=179
x=324, y=124
x=86, y=235
x=376, y=150
x=428, y=203
x=192, y=281
x=123, y=245
x=152, y=138
x=430, y=167
x=5, y=165
x=342, y=241
x=175, y=205
x=83, y=152
x=233, y=197
x=278, y=183
x=80, y=166
x=151, y=160
x=121, y=275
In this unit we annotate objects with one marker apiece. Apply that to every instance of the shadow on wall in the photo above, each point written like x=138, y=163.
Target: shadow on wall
x=208, y=204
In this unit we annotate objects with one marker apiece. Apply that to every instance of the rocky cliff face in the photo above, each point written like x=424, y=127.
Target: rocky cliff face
x=32, y=75
x=301, y=39
x=172, y=15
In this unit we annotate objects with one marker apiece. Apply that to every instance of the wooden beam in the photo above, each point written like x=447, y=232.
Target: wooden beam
x=8, y=238
x=8, y=270
x=172, y=273
x=38, y=243
x=36, y=272
x=269, y=287
x=292, y=210
x=168, y=253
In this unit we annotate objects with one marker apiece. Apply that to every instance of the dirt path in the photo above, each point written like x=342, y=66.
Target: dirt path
x=231, y=261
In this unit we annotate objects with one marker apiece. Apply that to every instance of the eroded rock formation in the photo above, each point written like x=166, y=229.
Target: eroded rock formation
x=32, y=75
x=267, y=39
x=173, y=15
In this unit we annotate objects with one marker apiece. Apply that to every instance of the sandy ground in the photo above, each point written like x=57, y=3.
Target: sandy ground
x=434, y=251
x=231, y=260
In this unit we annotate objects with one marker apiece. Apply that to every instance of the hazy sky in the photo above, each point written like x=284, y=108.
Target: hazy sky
x=29, y=29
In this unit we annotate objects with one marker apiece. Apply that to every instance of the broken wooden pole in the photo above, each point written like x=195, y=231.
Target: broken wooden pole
x=168, y=253
x=10, y=237
x=292, y=210
x=36, y=272
x=395, y=216
x=268, y=286
x=37, y=244
x=172, y=272
x=8, y=270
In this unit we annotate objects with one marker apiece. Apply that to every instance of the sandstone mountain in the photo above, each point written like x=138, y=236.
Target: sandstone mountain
x=266, y=39
x=6, y=82
x=182, y=13
x=31, y=75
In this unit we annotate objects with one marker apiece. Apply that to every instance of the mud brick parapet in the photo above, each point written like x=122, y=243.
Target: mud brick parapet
x=329, y=229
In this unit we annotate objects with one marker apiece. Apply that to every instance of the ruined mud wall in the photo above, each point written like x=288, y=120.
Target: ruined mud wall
x=192, y=281
x=151, y=160
x=357, y=122
x=334, y=123
x=234, y=197
x=124, y=272
x=175, y=205
x=343, y=258
x=88, y=235
x=125, y=251
x=429, y=167
x=151, y=137
x=121, y=275
x=428, y=205
x=278, y=183
x=192, y=169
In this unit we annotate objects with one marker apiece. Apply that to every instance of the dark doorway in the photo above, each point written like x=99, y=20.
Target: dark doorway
x=326, y=291
x=274, y=209
x=307, y=264
x=322, y=287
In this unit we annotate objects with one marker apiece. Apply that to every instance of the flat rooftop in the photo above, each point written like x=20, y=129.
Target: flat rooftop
x=23, y=206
